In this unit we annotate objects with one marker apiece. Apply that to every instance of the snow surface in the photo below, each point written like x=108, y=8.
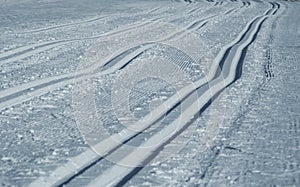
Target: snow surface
x=159, y=93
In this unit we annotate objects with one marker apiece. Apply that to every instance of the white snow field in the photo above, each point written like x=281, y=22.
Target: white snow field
x=149, y=93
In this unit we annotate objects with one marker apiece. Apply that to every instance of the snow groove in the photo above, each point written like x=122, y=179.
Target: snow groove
x=29, y=50
x=33, y=89
x=64, y=25
x=194, y=10
x=117, y=174
x=97, y=18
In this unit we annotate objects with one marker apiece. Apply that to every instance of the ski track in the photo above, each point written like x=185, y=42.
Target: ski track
x=63, y=80
x=32, y=49
x=118, y=175
x=97, y=18
x=25, y=92
x=236, y=9
x=194, y=10
x=29, y=50
x=63, y=25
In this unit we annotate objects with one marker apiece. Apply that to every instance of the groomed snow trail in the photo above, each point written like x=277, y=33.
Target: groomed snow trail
x=216, y=77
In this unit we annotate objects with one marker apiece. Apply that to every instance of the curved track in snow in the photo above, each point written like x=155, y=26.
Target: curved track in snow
x=225, y=70
x=27, y=91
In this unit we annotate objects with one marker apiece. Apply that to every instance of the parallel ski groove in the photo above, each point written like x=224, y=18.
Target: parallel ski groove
x=83, y=22
x=69, y=78
x=29, y=50
x=205, y=97
x=63, y=25
x=118, y=175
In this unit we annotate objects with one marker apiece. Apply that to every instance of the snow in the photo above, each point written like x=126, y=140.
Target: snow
x=85, y=79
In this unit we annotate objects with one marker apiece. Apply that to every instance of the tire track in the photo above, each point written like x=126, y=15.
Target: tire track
x=269, y=65
x=118, y=175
